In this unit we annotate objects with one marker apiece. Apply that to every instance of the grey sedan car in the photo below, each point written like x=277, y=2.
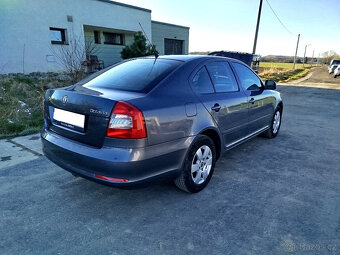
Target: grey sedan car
x=147, y=118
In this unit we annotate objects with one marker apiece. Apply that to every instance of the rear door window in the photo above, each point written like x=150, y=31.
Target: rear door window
x=202, y=83
x=222, y=77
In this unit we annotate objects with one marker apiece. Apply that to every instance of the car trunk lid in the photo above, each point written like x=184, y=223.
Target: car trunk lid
x=81, y=113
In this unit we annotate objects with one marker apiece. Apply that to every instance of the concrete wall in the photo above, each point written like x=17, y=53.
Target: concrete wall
x=25, y=44
x=161, y=30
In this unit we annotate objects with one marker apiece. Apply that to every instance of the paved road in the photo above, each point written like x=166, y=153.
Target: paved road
x=279, y=196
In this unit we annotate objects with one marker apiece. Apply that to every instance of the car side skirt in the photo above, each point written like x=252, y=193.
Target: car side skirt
x=246, y=138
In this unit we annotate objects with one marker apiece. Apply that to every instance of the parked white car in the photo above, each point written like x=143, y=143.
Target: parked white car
x=337, y=71
x=333, y=65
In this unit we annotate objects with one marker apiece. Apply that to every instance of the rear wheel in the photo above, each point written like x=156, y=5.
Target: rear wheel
x=198, y=166
x=275, y=124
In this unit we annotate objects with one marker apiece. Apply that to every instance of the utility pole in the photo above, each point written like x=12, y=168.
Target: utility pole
x=257, y=26
x=311, y=64
x=304, y=55
x=297, y=46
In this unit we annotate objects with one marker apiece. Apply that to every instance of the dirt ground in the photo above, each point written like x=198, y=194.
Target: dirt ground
x=319, y=77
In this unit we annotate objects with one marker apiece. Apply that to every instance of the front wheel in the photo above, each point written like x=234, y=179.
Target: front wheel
x=198, y=165
x=275, y=124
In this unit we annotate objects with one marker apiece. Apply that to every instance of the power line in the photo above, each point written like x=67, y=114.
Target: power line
x=279, y=19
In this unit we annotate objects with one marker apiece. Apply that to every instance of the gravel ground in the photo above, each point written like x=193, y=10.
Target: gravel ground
x=279, y=196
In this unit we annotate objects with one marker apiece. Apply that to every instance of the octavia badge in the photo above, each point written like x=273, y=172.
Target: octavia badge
x=65, y=100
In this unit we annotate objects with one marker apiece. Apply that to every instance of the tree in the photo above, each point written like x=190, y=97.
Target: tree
x=72, y=57
x=328, y=56
x=139, y=48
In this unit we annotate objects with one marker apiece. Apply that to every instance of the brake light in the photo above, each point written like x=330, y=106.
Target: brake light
x=126, y=122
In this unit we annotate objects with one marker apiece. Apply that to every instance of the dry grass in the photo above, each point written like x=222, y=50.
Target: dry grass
x=281, y=65
x=282, y=74
x=21, y=104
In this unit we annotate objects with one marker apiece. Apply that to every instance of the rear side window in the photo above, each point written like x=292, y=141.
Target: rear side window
x=138, y=75
x=222, y=77
x=246, y=76
x=202, y=83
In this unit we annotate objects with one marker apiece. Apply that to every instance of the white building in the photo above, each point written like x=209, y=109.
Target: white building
x=33, y=32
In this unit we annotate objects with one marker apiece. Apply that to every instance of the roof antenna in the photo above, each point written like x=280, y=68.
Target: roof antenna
x=153, y=46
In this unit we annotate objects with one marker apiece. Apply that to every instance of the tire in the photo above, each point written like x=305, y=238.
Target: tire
x=196, y=181
x=274, y=129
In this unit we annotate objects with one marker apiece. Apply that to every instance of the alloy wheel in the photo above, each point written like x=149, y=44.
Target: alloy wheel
x=201, y=164
x=276, y=122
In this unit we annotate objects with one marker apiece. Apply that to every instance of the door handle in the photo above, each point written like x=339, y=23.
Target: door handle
x=252, y=101
x=216, y=107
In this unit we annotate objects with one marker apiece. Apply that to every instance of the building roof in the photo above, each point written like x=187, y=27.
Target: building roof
x=168, y=24
x=125, y=5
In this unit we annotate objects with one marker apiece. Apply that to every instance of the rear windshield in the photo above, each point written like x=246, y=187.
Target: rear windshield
x=336, y=62
x=138, y=75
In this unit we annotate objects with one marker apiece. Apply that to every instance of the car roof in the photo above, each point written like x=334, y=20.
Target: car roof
x=187, y=58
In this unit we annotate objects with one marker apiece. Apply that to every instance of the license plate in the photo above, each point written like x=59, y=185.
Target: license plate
x=69, y=118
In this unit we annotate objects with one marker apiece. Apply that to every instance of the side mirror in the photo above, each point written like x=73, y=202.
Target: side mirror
x=269, y=84
x=253, y=87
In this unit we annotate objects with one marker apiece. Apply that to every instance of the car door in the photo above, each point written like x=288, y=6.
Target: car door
x=217, y=89
x=260, y=105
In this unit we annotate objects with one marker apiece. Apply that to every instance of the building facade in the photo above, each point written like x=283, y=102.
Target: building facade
x=170, y=39
x=37, y=34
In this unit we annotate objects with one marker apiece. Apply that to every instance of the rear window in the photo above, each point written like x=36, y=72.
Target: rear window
x=138, y=75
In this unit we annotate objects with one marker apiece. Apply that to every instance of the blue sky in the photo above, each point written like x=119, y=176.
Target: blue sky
x=230, y=24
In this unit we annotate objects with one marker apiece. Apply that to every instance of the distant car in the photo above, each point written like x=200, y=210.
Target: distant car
x=337, y=71
x=145, y=118
x=333, y=65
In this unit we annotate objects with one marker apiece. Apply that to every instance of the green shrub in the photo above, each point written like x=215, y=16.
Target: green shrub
x=139, y=48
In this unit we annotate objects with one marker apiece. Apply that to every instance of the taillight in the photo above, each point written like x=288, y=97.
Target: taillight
x=127, y=122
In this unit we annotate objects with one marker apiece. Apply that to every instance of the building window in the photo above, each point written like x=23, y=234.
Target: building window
x=58, y=35
x=113, y=38
x=96, y=37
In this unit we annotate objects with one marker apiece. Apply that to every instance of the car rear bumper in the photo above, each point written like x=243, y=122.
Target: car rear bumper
x=127, y=166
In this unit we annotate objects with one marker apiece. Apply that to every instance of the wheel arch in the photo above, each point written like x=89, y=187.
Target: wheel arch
x=214, y=135
x=281, y=105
